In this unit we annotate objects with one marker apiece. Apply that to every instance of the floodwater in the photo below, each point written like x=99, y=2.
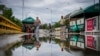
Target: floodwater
x=30, y=45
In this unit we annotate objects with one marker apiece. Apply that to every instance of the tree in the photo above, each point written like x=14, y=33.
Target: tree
x=57, y=24
x=18, y=22
x=44, y=26
x=2, y=7
x=66, y=22
x=7, y=13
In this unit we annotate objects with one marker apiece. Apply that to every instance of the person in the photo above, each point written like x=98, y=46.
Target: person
x=62, y=46
x=37, y=45
x=50, y=28
x=62, y=20
x=37, y=25
x=29, y=30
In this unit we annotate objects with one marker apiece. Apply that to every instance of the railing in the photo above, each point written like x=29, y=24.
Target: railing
x=8, y=27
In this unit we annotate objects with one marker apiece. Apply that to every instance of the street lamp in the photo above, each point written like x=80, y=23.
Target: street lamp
x=51, y=13
x=51, y=21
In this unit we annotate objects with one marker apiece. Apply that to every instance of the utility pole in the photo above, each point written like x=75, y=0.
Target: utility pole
x=51, y=18
x=22, y=9
x=50, y=13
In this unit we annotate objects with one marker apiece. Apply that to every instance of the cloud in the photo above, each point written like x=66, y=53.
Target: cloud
x=38, y=3
x=36, y=8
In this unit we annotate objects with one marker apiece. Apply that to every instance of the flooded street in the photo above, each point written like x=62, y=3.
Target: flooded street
x=49, y=27
x=29, y=45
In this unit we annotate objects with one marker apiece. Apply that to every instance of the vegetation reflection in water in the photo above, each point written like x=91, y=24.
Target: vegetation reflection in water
x=30, y=42
x=11, y=47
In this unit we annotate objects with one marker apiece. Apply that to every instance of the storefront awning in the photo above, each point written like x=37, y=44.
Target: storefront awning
x=90, y=11
x=28, y=46
x=28, y=20
x=76, y=13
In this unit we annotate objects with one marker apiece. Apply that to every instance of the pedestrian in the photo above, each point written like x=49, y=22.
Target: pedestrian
x=62, y=21
x=50, y=28
x=37, y=24
x=37, y=45
x=28, y=30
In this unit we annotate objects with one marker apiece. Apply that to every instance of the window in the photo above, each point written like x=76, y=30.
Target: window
x=73, y=23
x=81, y=40
x=78, y=22
x=82, y=21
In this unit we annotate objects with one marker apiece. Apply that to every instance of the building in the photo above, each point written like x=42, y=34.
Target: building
x=88, y=21
x=92, y=22
x=58, y=33
x=28, y=25
x=8, y=27
x=80, y=20
x=77, y=22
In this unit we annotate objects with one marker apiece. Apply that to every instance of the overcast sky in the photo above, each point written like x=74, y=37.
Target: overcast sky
x=38, y=8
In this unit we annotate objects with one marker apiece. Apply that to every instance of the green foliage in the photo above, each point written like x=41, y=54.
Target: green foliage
x=16, y=21
x=44, y=26
x=2, y=7
x=7, y=12
x=66, y=22
x=57, y=24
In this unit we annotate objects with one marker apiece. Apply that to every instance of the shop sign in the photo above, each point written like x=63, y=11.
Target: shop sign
x=90, y=24
x=91, y=42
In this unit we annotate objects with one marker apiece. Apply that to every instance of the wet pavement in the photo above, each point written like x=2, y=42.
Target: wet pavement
x=30, y=45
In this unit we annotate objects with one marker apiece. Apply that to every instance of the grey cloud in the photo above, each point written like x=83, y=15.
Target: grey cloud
x=59, y=7
x=83, y=1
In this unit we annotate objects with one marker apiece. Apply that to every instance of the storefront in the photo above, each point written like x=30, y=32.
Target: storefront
x=81, y=24
x=77, y=21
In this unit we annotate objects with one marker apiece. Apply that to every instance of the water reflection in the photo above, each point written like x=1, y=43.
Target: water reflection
x=8, y=50
x=77, y=41
x=31, y=45
x=28, y=42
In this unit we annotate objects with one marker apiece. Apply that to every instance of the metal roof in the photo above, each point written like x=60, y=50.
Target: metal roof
x=29, y=20
x=92, y=10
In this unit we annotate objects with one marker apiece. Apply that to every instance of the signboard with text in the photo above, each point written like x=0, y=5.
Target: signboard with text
x=91, y=42
x=90, y=24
